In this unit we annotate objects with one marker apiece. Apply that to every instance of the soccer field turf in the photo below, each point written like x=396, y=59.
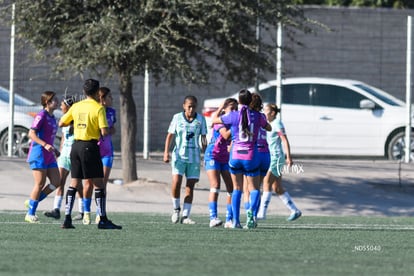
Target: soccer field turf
x=150, y=244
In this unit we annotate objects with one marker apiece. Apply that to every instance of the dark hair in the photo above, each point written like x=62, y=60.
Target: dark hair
x=274, y=108
x=256, y=103
x=103, y=92
x=190, y=98
x=229, y=101
x=245, y=98
x=90, y=87
x=46, y=97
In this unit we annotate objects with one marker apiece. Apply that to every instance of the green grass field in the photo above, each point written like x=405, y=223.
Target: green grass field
x=150, y=245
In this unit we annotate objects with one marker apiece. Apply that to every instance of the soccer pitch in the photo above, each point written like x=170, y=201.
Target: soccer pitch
x=150, y=244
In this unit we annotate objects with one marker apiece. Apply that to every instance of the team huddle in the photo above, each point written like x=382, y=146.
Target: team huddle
x=246, y=149
x=86, y=151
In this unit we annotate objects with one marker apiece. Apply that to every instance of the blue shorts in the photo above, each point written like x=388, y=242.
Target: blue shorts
x=214, y=165
x=264, y=162
x=40, y=165
x=245, y=167
x=189, y=170
x=107, y=161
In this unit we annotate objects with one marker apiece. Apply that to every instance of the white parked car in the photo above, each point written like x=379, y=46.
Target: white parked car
x=24, y=112
x=336, y=117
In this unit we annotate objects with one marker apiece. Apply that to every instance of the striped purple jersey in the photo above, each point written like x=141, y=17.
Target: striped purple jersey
x=105, y=143
x=244, y=144
x=45, y=126
x=262, y=145
x=217, y=148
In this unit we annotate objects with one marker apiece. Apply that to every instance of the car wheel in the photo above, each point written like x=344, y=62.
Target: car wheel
x=21, y=142
x=396, y=147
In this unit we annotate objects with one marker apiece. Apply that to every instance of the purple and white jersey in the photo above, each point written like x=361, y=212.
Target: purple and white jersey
x=262, y=145
x=217, y=148
x=46, y=127
x=244, y=144
x=105, y=143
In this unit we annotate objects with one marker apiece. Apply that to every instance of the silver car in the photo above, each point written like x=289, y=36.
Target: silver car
x=341, y=117
x=24, y=112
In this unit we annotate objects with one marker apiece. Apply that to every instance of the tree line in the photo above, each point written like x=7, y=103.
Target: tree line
x=396, y=4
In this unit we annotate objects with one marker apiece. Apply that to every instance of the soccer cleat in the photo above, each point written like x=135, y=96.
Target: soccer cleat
x=228, y=224
x=215, y=222
x=261, y=215
x=186, y=220
x=26, y=204
x=175, y=216
x=78, y=217
x=294, y=216
x=236, y=226
x=108, y=225
x=97, y=219
x=247, y=226
x=67, y=223
x=86, y=218
x=250, y=223
x=55, y=213
x=31, y=218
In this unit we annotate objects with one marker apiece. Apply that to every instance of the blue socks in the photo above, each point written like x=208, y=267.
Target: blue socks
x=212, y=207
x=254, y=201
x=235, y=203
x=32, y=207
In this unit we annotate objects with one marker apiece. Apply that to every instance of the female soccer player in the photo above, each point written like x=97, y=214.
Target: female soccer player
x=42, y=154
x=185, y=128
x=244, y=160
x=216, y=159
x=262, y=150
x=63, y=160
x=273, y=177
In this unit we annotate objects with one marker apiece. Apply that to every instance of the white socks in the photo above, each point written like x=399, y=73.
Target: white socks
x=57, y=203
x=287, y=200
x=264, y=203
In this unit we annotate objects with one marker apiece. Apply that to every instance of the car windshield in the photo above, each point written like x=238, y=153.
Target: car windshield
x=18, y=100
x=387, y=99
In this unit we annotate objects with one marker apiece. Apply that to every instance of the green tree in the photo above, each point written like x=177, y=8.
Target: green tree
x=177, y=39
x=399, y=4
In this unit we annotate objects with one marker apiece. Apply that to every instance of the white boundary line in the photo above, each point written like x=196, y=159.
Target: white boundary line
x=339, y=226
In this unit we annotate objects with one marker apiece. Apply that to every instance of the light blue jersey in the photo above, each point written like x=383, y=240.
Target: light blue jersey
x=187, y=137
x=274, y=140
x=68, y=139
x=67, y=142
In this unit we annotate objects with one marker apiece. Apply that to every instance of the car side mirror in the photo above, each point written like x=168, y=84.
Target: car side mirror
x=366, y=104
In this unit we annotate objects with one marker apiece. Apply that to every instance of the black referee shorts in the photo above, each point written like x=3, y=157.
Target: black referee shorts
x=86, y=160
